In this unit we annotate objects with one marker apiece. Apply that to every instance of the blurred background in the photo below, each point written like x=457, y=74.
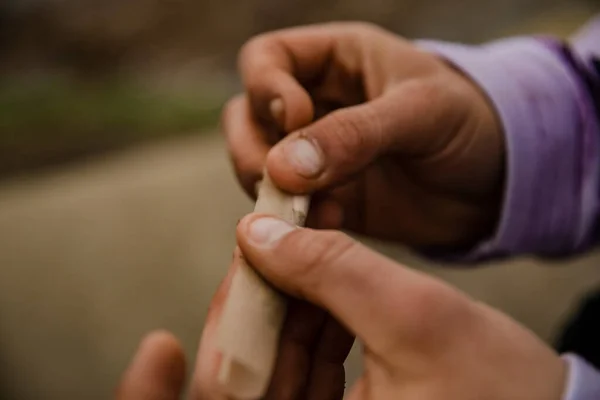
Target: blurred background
x=117, y=204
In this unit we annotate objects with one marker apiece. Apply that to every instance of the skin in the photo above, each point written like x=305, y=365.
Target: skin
x=404, y=148
x=421, y=338
x=412, y=150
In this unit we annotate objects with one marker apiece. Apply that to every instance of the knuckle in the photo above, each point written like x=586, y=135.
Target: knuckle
x=424, y=90
x=331, y=246
x=431, y=300
x=428, y=107
x=363, y=27
x=259, y=61
x=256, y=55
x=369, y=33
x=252, y=46
x=348, y=134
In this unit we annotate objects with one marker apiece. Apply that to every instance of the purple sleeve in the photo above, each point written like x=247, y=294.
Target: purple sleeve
x=583, y=380
x=546, y=95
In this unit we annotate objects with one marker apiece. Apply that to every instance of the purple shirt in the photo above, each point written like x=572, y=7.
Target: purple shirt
x=547, y=95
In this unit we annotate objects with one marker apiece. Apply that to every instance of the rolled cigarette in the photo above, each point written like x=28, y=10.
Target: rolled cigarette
x=254, y=312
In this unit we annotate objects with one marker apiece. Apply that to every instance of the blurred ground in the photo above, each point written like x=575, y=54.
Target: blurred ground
x=96, y=255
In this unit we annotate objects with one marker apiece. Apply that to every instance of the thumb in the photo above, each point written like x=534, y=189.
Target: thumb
x=344, y=142
x=376, y=299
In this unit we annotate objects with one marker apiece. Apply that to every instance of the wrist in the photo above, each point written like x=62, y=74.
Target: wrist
x=550, y=188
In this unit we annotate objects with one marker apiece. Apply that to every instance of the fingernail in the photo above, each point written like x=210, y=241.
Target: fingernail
x=267, y=231
x=305, y=157
x=277, y=111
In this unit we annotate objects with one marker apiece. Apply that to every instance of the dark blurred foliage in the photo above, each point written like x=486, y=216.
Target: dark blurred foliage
x=52, y=121
x=96, y=36
x=77, y=76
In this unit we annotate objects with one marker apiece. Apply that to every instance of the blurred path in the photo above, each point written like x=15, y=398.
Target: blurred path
x=95, y=255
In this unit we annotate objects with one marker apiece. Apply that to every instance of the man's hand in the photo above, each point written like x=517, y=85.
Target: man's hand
x=392, y=141
x=421, y=338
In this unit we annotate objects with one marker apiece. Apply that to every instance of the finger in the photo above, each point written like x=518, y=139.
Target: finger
x=333, y=149
x=328, y=377
x=376, y=299
x=247, y=143
x=205, y=385
x=326, y=268
x=157, y=371
x=274, y=65
x=300, y=334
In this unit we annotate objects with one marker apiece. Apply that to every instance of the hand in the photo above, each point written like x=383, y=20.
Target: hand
x=421, y=338
x=404, y=147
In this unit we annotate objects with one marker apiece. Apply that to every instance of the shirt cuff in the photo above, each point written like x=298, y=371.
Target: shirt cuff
x=585, y=42
x=583, y=380
x=552, y=141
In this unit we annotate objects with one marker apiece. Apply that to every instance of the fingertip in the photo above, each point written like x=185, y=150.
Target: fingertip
x=261, y=232
x=295, y=165
x=242, y=232
x=157, y=369
x=164, y=350
x=162, y=339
